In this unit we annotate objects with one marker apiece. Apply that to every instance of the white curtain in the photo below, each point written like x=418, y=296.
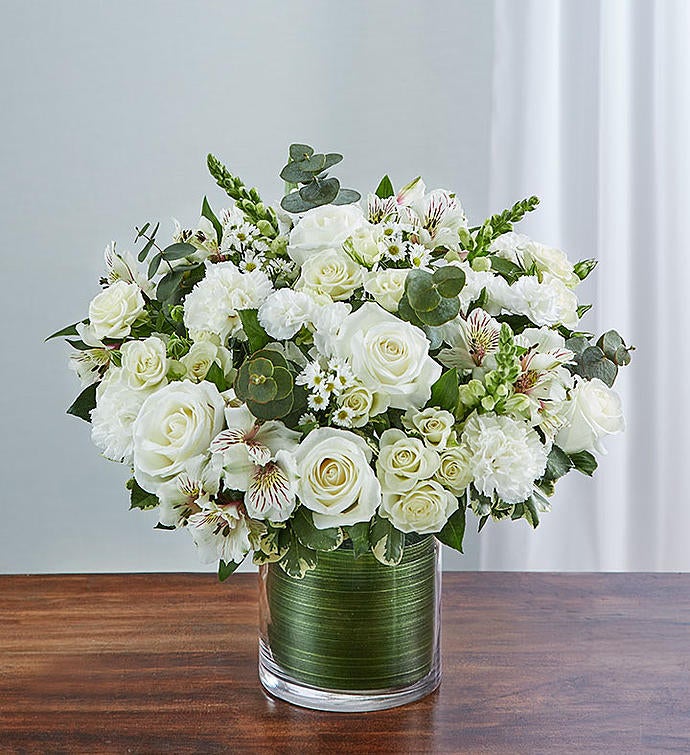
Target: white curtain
x=591, y=111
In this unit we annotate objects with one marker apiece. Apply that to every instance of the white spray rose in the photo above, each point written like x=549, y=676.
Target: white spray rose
x=202, y=356
x=525, y=252
x=454, y=471
x=285, y=312
x=387, y=287
x=505, y=456
x=364, y=244
x=211, y=308
x=434, y=425
x=404, y=461
x=112, y=421
x=389, y=356
x=324, y=227
x=362, y=404
x=335, y=480
x=332, y=273
x=174, y=428
x=424, y=508
x=593, y=411
x=549, y=303
x=113, y=312
x=145, y=363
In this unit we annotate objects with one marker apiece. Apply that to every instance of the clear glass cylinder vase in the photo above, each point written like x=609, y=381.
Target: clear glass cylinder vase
x=353, y=634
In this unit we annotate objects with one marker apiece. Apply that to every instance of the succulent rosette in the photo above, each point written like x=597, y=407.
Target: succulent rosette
x=284, y=381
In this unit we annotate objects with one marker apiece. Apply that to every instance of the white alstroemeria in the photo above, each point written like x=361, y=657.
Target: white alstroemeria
x=89, y=364
x=220, y=531
x=411, y=193
x=246, y=444
x=212, y=307
x=203, y=238
x=472, y=341
x=438, y=218
x=122, y=266
x=381, y=210
x=187, y=493
x=271, y=492
x=285, y=311
x=145, y=362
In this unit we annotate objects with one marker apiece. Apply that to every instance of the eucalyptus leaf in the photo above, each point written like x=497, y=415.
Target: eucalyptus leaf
x=146, y=249
x=347, y=196
x=332, y=158
x=449, y=281
x=294, y=203
x=154, y=264
x=320, y=192
x=314, y=163
x=294, y=174
x=446, y=310
x=177, y=251
x=593, y=364
x=300, y=151
x=168, y=285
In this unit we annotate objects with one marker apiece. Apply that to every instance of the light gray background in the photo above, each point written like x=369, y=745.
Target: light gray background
x=109, y=111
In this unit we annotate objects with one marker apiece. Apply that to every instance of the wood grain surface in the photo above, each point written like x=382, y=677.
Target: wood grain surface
x=167, y=663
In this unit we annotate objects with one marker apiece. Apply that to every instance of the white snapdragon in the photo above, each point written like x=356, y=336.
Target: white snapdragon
x=113, y=312
x=332, y=273
x=505, y=456
x=424, y=508
x=389, y=356
x=144, y=363
x=387, y=287
x=285, y=311
x=112, y=421
x=325, y=227
x=336, y=482
x=593, y=411
x=211, y=308
x=404, y=461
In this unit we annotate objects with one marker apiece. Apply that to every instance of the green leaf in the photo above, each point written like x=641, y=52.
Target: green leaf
x=300, y=151
x=584, y=268
x=453, y=532
x=347, y=196
x=446, y=310
x=449, y=281
x=319, y=192
x=140, y=498
x=84, y=403
x=141, y=231
x=299, y=559
x=293, y=202
x=208, y=213
x=584, y=462
x=177, y=251
x=557, y=464
x=168, y=285
x=385, y=188
x=226, y=568
x=359, y=535
x=583, y=309
x=146, y=249
x=255, y=333
x=445, y=392
x=68, y=330
x=530, y=512
x=314, y=163
x=593, y=364
x=332, y=158
x=292, y=173
x=311, y=536
x=577, y=345
x=154, y=264
x=387, y=543
x=421, y=292
x=509, y=270
x=215, y=375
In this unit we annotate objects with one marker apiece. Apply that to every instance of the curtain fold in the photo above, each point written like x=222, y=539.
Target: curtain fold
x=591, y=111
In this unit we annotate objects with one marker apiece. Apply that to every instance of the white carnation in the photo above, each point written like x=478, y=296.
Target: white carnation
x=505, y=456
x=212, y=307
x=112, y=421
x=525, y=252
x=285, y=312
x=549, y=303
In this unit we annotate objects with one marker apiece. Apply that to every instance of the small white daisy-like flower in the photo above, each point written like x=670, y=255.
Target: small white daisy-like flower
x=312, y=376
x=342, y=374
x=317, y=401
x=396, y=249
x=330, y=384
x=308, y=418
x=252, y=260
x=343, y=416
x=419, y=256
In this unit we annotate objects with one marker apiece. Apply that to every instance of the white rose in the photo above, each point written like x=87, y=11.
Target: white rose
x=362, y=403
x=112, y=421
x=521, y=250
x=505, y=456
x=387, y=287
x=335, y=480
x=202, y=356
x=285, y=312
x=424, y=508
x=549, y=303
x=114, y=310
x=322, y=228
x=174, y=428
x=145, y=363
x=592, y=412
x=454, y=471
x=332, y=273
x=434, y=425
x=404, y=461
x=364, y=244
x=390, y=356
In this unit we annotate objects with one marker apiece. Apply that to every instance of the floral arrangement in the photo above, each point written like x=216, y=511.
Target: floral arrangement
x=285, y=381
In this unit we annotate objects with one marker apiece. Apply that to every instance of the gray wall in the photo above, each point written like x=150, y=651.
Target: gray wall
x=109, y=111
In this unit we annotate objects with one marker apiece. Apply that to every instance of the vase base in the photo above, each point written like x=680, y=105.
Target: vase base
x=278, y=684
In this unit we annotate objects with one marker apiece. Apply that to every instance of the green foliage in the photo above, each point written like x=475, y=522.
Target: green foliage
x=601, y=361
x=584, y=268
x=614, y=348
x=298, y=559
x=584, y=462
x=385, y=188
x=359, y=535
x=68, y=330
x=307, y=170
x=453, y=532
x=177, y=251
x=558, y=464
x=266, y=384
x=497, y=225
x=431, y=299
x=216, y=376
x=387, y=543
x=256, y=335
x=226, y=568
x=84, y=403
x=248, y=200
x=311, y=536
x=208, y=213
x=140, y=498
x=445, y=391
x=505, y=268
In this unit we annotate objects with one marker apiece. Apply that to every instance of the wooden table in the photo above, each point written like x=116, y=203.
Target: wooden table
x=167, y=663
